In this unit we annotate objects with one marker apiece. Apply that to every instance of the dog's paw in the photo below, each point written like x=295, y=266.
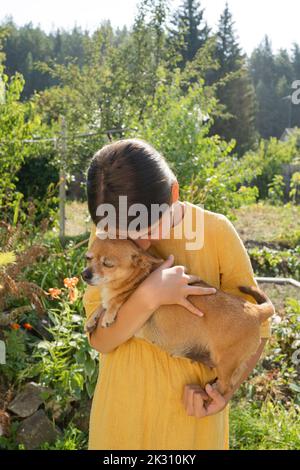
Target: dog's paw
x=107, y=324
x=107, y=321
x=92, y=322
x=90, y=326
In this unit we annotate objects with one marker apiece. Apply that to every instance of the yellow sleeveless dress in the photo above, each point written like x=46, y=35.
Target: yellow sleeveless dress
x=137, y=402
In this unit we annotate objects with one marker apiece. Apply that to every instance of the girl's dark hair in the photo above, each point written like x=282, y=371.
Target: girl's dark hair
x=132, y=168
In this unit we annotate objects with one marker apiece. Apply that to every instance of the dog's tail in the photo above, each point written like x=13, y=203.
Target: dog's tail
x=265, y=307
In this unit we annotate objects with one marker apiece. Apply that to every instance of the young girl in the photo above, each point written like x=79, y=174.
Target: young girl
x=145, y=398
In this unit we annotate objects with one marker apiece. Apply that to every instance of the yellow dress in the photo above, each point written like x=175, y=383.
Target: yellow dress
x=137, y=402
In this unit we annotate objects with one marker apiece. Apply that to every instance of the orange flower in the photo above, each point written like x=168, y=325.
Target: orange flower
x=27, y=326
x=54, y=292
x=73, y=294
x=70, y=282
x=15, y=326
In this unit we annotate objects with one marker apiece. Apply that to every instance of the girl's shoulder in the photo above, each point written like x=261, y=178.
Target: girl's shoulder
x=210, y=219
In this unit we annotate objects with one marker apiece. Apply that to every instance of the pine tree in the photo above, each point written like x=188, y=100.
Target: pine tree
x=229, y=53
x=284, y=79
x=237, y=91
x=272, y=76
x=296, y=61
x=190, y=31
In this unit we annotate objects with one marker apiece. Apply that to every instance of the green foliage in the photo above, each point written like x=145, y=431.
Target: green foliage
x=67, y=365
x=26, y=45
x=295, y=187
x=270, y=156
x=276, y=190
x=271, y=262
x=189, y=31
x=277, y=376
x=36, y=175
x=237, y=121
x=266, y=426
x=16, y=354
x=18, y=121
x=72, y=439
x=54, y=352
x=206, y=170
x=9, y=443
x=273, y=75
x=265, y=412
x=285, y=351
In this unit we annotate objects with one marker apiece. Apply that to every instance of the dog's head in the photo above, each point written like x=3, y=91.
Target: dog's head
x=114, y=260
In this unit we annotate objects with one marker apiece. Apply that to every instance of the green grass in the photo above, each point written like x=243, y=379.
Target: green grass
x=279, y=294
x=77, y=218
x=264, y=223
x=266, y=427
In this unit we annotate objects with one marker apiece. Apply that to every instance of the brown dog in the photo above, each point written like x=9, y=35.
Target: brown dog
x=224, y=338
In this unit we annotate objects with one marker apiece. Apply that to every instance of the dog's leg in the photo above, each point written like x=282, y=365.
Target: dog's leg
x=92, y=322
x=226, y=371
x=109, y=317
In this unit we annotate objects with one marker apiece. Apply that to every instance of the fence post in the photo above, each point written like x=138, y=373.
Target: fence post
x=62, y=181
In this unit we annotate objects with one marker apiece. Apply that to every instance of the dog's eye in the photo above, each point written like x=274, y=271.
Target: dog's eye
x=108, y=263
x=88, y=257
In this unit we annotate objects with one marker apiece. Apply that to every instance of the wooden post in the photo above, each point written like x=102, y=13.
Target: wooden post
x=62, y=181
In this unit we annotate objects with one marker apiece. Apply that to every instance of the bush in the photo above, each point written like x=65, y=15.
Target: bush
x=271, y=262
x=270, y=156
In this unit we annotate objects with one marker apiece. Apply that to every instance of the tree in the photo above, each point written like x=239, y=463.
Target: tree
x=23, y=47
x=273, y=75
x=262, y=65
x=229, y=52
x=18, y=121
x=236, y=92
x=190, y=31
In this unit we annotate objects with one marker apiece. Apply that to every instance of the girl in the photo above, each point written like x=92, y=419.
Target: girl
x=145, y=398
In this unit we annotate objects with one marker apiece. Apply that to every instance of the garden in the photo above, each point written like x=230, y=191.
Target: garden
x=121, y=84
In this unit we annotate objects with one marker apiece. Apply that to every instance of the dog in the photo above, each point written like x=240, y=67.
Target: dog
x=224, y=338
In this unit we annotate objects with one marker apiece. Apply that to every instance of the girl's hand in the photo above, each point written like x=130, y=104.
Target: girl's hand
x=201, y=403
x=169, y=285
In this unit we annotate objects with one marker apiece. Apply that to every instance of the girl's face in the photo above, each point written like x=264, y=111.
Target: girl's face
x=155, y=232
x=160, y=230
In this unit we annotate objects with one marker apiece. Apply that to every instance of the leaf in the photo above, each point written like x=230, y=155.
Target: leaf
x=295, y=387
x=90, y=368
x=90, y=387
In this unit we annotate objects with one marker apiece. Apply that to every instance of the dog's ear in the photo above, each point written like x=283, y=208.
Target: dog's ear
x=143, y=259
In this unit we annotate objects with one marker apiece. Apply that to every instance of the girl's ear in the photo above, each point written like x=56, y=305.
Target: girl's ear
x=175, y=192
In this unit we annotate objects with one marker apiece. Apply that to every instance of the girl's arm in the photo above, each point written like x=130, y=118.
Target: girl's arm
x=166, y=285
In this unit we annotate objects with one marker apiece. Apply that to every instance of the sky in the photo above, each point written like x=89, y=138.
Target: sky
x=280, y=19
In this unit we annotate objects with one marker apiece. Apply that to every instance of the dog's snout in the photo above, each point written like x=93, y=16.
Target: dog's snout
x=87, y=274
